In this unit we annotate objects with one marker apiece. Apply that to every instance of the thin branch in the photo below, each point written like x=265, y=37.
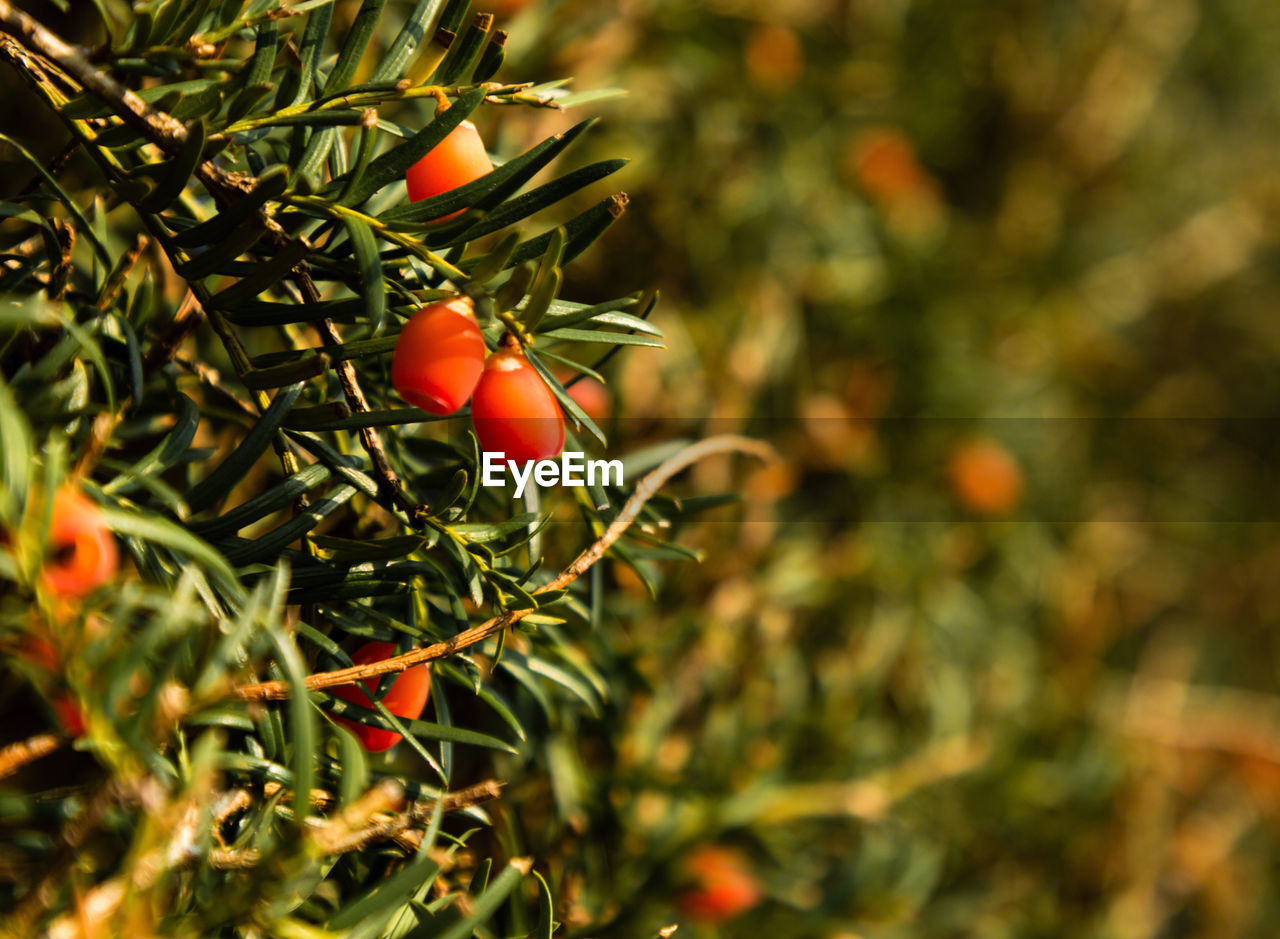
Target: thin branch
x=17, y=755
x=164, y=130
x=190, y=314
x=645, y=490
x=351, y=390
x=365, y=821
x=422, y=810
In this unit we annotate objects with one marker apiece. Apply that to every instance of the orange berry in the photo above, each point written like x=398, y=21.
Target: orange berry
x=588, y=393
x=884, y=162
x=406, y=698
x=514, y=412
x=774, y=56
x=439, y=357
x=39, y=651
x=69, y=714
x=455, y=161
x=724, y=889
x=985, y=477
x=506, y=7
x=83, y=550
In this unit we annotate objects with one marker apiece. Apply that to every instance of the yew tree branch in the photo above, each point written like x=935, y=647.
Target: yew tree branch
x=645, y=490
x=226, y=187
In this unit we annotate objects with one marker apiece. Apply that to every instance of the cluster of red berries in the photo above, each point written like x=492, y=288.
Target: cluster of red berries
x=439, y=363
x=439, y=360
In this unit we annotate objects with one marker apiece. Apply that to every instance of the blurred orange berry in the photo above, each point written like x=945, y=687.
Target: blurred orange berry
x=83, y=550
x=723, y=886
x=39, y=651
x=884, y=163
x=588, y=393
x=984, y=477
x=774, y=56
x=505, y=7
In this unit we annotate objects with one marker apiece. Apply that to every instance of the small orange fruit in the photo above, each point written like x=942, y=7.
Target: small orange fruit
x=83, y=550
x=984, y=477
x=723, y=888
x=439, y=356
x=774, y=56
x=455, y=161
x=406, y=698
x=884, y=162
x=514, y=412
x=39, y=651
x=588, y=393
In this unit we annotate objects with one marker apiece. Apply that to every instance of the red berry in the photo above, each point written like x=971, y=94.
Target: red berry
x=455, y=161
x=39, y=651
x=439, y=357
x=723, y=887
x=83, y=550
x=588, y=393
x=407, y=697
x=69, y=714
x=514, y=411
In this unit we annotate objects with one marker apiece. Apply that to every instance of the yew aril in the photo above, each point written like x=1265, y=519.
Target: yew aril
x=83, y=552
x=455, y=161
x=406, y=698
x=514, y=411
x=723, y=888
x=39, y=651
x=439, y=356
x=985, y=477
x=588, y=393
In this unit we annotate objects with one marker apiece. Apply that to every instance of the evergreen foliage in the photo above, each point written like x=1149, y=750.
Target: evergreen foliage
x=200, y=298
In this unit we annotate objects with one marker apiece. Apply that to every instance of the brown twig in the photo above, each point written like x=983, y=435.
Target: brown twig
x=19, y=754
x=367, y=820
x=351, y=390
x=647, y=488
x=190, y=314
x=118, y=277
x=421, y=811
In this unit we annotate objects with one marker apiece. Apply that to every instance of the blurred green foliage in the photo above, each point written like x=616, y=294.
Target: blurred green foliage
x=925, y=694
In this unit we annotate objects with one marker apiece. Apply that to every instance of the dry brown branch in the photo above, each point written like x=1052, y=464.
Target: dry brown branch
x=370, y=819
x=19, y=754
x=422, y=810
x=647, y=488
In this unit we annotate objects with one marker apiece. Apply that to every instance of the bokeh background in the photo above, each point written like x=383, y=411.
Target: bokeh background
x=993, y=649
